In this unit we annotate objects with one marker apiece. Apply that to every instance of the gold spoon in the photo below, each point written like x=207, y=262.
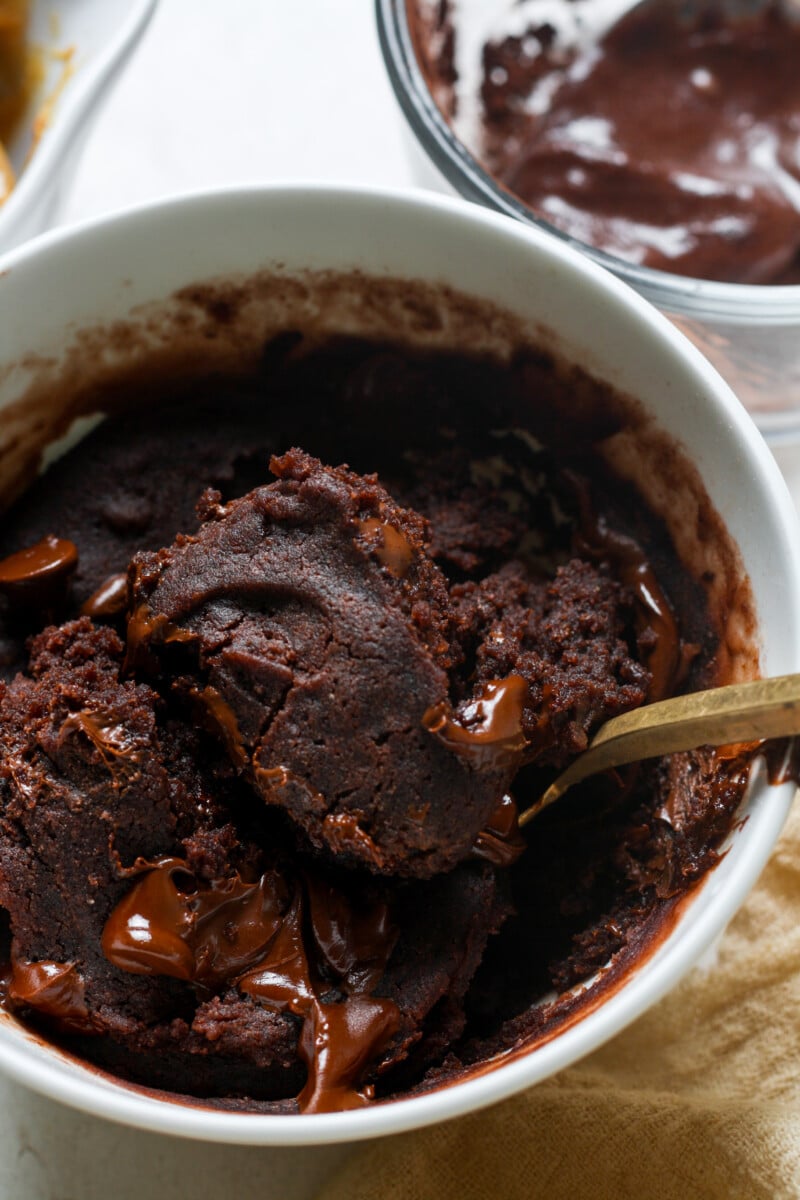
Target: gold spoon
x=740, y=712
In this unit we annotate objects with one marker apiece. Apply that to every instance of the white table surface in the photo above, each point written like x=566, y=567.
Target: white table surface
x=244, y=91
x=217, y=93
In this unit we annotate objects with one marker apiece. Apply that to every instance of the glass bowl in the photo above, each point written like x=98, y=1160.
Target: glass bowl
x=750, y=333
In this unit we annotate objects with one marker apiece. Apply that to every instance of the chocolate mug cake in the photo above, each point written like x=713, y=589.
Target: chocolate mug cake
x=268, y=713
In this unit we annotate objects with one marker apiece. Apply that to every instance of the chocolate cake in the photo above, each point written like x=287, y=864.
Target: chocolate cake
x=267, y=718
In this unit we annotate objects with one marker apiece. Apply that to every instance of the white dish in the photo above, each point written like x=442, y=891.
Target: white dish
x=142, y=257
x=100, y=34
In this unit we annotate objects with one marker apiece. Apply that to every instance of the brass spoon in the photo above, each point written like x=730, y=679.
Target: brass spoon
x=740, y=712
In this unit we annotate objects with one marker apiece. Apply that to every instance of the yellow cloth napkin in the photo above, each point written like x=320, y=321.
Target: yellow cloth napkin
x=699, y=1098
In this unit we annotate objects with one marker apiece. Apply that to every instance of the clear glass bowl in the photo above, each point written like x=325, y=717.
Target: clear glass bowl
x=750, y=333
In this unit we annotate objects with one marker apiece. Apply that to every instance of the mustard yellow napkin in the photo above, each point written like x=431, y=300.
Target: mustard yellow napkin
x=699, y=1098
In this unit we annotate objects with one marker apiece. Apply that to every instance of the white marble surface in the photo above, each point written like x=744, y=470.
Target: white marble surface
x=48, y=1152
x=244, y=91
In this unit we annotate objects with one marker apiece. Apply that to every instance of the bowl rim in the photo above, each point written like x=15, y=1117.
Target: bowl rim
x=95, y=1093
x=685, y=295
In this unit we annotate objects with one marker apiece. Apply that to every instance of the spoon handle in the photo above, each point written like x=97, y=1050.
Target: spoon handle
x=740, y=712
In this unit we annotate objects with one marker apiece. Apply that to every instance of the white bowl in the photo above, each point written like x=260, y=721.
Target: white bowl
x=118, y=269
x=101, y=34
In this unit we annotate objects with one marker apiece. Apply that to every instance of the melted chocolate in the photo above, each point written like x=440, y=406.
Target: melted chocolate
x=501, y=842
x=171, y=923
x=355, y=943
x=221, y=719
x=145, y=629
x=110, y=737
x=344, y=834
x=668, y=657
x=488, y=730
x=337, y=1043
x=109, y=601
x=391, y=547
x=37, y=579
x=53, y=989
x=665, y=660
x=338, y=1039
x=272, y=779
x=783, y=760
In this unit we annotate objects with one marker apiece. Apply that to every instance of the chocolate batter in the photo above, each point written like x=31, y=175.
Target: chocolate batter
x=261, y=755
x=669, y=136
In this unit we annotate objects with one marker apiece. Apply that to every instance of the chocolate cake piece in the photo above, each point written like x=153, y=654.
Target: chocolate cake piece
x=132, y=484
x=91, y=764
x=83, y=792
x=310, y=620
x=568, y=637
x=445, y=925
x=89, y=783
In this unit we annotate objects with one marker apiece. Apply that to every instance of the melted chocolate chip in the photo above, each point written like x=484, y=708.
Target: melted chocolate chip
x=391, y=547
x=144, y=630
x=666, y=659
x=355, y=942
x=37, y=578
x=344, y=835
x=53, y=989
x=109, y=601
x=500, y=842
x=488, y=730
x=169, y=923
x=272, y=779
x=338, y=1039
x=221, y=719
x=109, y=735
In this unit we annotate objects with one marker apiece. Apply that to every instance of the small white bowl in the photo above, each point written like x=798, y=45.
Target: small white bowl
x=100, y=34
x=125, y=268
